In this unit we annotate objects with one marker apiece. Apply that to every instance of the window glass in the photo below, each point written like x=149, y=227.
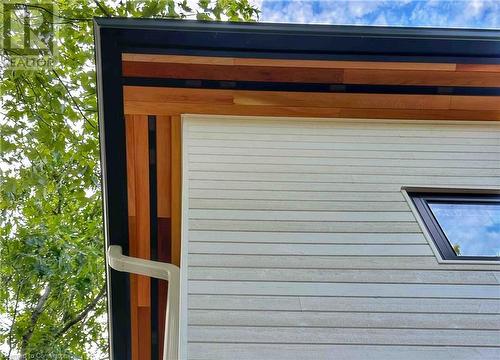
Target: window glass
x=472, y=229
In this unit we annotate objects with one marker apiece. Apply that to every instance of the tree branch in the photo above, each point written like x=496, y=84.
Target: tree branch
x=73, y=100
x=11, y=330
x=37, y=311
x=102, y=8
x=82, y=313
x=51, y=13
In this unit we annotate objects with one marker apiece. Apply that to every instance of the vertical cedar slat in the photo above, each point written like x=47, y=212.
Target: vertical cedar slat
x=141, y=134
x=176, y=188
x=163, y=165
x=163, y=255
x=139, y=238
x=144, y=330
x=129, y=130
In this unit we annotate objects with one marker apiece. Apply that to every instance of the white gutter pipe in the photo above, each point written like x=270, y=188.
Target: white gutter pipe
x=158, y=270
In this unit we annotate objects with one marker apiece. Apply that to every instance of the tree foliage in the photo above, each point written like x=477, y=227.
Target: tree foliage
x=52, y=297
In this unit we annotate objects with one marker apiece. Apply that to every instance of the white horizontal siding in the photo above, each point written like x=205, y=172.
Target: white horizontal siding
x=302, y=246
x=305, y=238
x=265, y=351
x=343, y=320
x=308, y=249
x=328, y=262
x=228, y=142
x=359, y=139
x=297, y=205
x=342, y=336
x=332, y=178
x=338, y=161
x=353, y=153
x=343, y=289
x=209, y=191
x=345, y=304
x=317, y=216
x=305, y=226
x=347, y=170
x=304, y=186
x=340, y=275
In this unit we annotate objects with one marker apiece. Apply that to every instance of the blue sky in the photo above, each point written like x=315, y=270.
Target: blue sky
x=428, y=13
x=476, y=228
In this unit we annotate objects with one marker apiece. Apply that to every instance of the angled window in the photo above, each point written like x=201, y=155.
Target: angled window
x=463, y=226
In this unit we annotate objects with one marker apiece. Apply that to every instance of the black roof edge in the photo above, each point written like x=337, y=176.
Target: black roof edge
x=337, y=30
x=303, y=41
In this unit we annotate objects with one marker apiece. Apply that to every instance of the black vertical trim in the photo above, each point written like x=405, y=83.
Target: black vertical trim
x=153, y=204
x=114, y=184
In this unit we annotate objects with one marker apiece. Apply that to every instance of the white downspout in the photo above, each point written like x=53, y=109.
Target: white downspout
x=158, y=270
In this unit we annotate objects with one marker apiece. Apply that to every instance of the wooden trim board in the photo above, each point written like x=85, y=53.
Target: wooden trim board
x=176, y=101
x=310, y=71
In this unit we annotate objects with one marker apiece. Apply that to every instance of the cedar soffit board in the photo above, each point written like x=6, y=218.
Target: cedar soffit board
x=309, y=71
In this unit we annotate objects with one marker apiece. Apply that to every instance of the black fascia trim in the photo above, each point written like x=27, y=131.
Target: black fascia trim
x=153, y=230
x=296, y=41
x=421, y=202
x=114, y=185
x=312, y=87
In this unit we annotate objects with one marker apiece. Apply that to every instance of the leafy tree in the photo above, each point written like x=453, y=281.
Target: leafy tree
x=52, y=293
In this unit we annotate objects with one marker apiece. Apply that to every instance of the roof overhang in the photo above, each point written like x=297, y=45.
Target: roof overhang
x=115, y=37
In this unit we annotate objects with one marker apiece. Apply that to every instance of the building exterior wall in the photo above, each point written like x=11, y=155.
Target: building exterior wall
x=299, y=243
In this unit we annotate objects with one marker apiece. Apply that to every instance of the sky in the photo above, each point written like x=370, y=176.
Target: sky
x=424, y=13
x=475, y=228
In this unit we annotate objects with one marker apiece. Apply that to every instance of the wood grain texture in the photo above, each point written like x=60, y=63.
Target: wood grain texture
x=322, y=64
x=142, y=207
x=176, y=211
x=177, y=108
x=478, y=67
x=163, y=183
x=139, y=231
x=307, y=71
x=163, y=165
x=164, y=254
x=232, y=73
x=422, y=77
x=283, y=99
x=144, y=332
x=176, y=101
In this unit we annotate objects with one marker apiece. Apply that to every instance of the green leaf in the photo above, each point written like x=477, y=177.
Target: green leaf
x=51, y=232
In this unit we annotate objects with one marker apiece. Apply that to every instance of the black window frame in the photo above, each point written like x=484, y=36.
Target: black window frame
x=443, y=244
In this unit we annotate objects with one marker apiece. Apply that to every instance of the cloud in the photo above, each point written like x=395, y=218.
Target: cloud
x=428, y=13
x=476, y=228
